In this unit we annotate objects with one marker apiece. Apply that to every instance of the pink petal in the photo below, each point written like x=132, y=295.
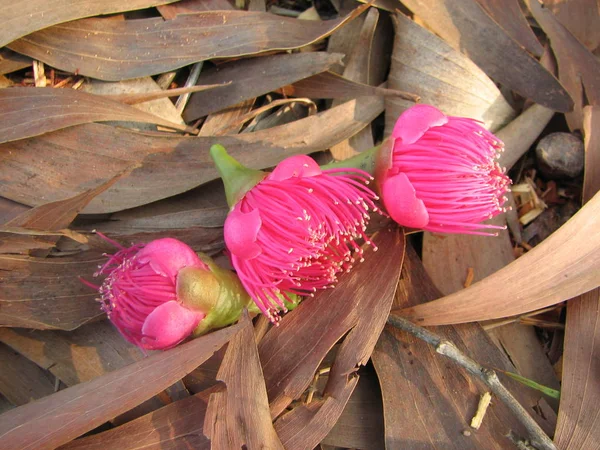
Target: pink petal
x=241, y=230
x=168, y=256
x=415, y=121
x=168, y=325
x=402, y=204
x=295, y=166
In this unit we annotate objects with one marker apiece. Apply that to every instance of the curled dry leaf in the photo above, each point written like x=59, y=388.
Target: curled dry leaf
x=61, y=417
x=66, y=162
x=465, y=25
x=114, y=50
x=427, y=400
x=253, y=77
x=563, y=266
x=358, y=305
x=238, y=416
x=177, y=425
x=578, y=68
x=30, y=112
x=22, y=17
x=424, y=64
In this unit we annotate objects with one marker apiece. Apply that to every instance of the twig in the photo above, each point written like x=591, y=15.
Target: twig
x=488, y=376
x=191, y=81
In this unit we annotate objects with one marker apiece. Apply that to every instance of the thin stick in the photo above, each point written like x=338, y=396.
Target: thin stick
x=488, y=376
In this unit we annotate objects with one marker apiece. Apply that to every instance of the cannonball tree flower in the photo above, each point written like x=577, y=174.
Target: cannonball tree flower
x=292, y=231
x=159, y=294
x=438, y=173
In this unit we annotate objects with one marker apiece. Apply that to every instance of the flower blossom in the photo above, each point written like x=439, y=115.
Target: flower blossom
x=294, y=231
x=440, y=173
x=158, y=294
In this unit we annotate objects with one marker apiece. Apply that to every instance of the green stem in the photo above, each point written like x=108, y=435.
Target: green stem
x=363, y=161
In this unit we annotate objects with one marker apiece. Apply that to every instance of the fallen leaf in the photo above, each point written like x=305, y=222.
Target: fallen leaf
x=61, y=417
x=177, y=425
x=424, y=64
x=428, y=401
x=354, y=309
x=578, y=68
x=222, y=122
x=11, y=61
x=580, y=17
x=192, y=6
x=113, y=50
x=509, y=16
x=561, y=267
x=30, y=112
x=23, y=17
x=591, y=127
x=465, y=25
x=67, y=162
x=331, y=85
x=248, y=79
x=239, y=416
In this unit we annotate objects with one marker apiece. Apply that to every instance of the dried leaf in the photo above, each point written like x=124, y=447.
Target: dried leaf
x=580, y=17
x=222, y=122
x=66, y=162
x=427, y=400
x=23, y=17
x=175, y=426
x=318, y=323
x=114, y=50
x=21, y=381
x=193, y=6
x=578, y=68
x=509, y=16
x=465, y=25
x=33, y=111
x=591, y=130
x=248, y=80
x=424, y=64
x=11, y=61
x=331, y=85
x=133, y=99
x=239, y=416
x=355, y=308
x=61, y=417
x=577, y=426
x=46, y=293
x=563, y=266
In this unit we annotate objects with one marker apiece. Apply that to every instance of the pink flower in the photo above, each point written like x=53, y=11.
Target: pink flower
x=295, y=230
x=140, y=293
x=440, y=173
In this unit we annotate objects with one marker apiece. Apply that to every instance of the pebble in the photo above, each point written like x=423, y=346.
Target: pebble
x=560, y=155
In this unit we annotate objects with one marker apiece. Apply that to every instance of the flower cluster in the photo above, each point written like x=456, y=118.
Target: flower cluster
x=294, y=230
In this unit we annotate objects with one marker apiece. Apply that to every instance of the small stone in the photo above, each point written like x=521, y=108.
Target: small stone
x=466, y=433
x=560, y=155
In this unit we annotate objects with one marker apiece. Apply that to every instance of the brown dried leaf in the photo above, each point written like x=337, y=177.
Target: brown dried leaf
x=331, y=85
x=465, y=25
x=114, y=50
x=193, y=6
x=253, y=77
x=66, y=162
x=578, y=68
x=563, y=266
x=591, y=131
x=175, y=426
x=370, y=290
x=11, y=61
x=217, y=123
x=428, y=401
x=424, y=64
x=132, y=99
x=508, y=14
x=578, y=421
x=321, y=321
x=23, y=17
x=239, y=416
x=59, y=418
x=21, y=381
x=46, y=293
x=580, y=17
x=33, y=111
